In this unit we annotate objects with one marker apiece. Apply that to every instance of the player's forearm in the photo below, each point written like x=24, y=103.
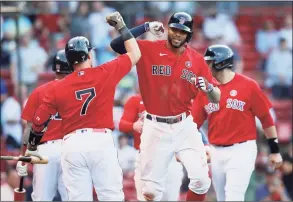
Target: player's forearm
x=133, y=50
x=117, y=44
x=214, y=96
x=125, y=126
x=26, y=133
x=271, y=132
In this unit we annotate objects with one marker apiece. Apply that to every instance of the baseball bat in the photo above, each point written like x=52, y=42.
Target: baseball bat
x=28, y=159
x=20, y=192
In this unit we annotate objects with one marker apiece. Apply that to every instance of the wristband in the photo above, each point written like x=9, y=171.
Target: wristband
x=35, y=138
x=125, y=34
x=273, y=145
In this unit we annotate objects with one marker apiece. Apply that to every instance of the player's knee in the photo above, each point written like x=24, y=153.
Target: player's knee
x=152, y=194
x=200, y=185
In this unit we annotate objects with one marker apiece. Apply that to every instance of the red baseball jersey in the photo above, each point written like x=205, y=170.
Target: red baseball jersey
x=233, y=119
x=33, y=103
x=133, y=110
x=85, y=98
x=165, y=78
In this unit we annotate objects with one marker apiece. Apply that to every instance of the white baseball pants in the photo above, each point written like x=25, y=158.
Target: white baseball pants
x=159, y=143
x=90, y=159
x=231, y=169
x=172, y=184
x=47, y=178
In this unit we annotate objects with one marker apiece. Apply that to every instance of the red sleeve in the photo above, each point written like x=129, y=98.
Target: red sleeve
x=129, y=115
x=206, y=72
x=261, y=106
x=45, y=111
x=198, y=112
x=118, y=67
x=31, y=106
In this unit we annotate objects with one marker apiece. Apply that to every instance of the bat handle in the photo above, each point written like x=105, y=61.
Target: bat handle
x=21, y=184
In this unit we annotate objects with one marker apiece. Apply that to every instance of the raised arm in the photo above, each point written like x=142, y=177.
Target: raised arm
x=155, y=28
x=131, y=46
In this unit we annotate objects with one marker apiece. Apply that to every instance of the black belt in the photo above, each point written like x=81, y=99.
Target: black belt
x=166, y=120
x=229, y=145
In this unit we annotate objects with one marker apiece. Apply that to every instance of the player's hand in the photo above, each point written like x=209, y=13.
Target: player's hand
x=156, y=28
x=33, y=153
x=115, y=20
x=202, y=84
x=275, y=160
x=138, y=125
x=21, y=169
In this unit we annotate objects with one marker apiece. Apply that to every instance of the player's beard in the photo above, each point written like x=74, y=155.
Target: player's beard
x=175, y=45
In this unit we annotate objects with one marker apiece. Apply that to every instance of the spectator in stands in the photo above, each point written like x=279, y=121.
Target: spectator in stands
x=279, y=71
x=198, y=41
x=3, y=97
x=12, y=182
x=126, y=155
x=10, y=119
x=230, y=7
x=33, y=59
x=80, y=21
x=286, y=30
x=272, y=189
x=99, y=29
x=266, y=40
x=186, y=6
x=8, y=44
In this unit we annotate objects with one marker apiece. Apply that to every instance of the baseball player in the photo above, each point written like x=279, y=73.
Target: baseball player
x=132, y=122
x=47, y=179
x=84, y=100
x=231, y=126
x=170, y=75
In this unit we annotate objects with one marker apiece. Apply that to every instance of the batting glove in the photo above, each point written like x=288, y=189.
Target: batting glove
x=115, y=20
x=202, y=84
x=21, y=169
x=156, y=28
x=33, y=153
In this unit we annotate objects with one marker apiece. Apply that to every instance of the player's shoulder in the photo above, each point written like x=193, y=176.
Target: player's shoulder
x=44, y=86
x=151, y=43
x=247, y=80
x=194, y=53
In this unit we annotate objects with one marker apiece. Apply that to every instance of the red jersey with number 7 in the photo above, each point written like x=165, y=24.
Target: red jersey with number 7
x=85, y=98
x=33, y=103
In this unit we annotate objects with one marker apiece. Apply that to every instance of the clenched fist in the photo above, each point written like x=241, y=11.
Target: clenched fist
x=115, y=20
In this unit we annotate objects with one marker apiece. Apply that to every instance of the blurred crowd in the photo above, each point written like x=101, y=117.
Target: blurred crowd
x=45, y=27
